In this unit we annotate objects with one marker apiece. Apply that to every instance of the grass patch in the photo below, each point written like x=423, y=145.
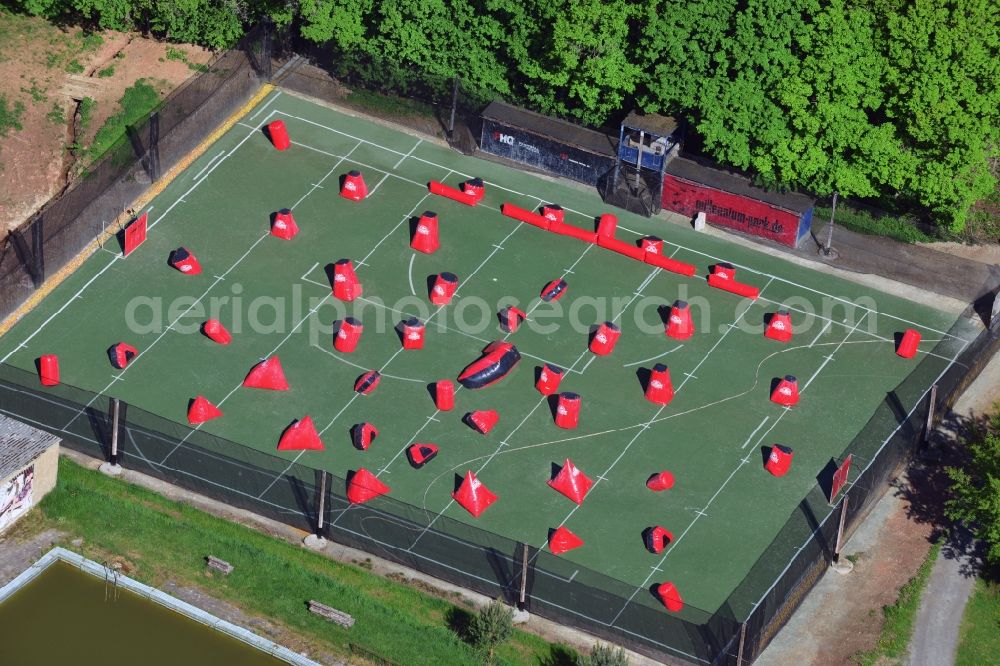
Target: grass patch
x=898, y=619
x=979, y=637
x=176, y=54
x=56, y=115
x=86, y=111
x=87, y=41
x=168, y=540
x=106, y=72
x=197, y=67
x=74, y=67
x=37, y=94
x=392, y=105
x=903, y=229
x=138, y=102
x=10, y=115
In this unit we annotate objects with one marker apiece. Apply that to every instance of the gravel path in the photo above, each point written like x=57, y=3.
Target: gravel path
x=935, y=635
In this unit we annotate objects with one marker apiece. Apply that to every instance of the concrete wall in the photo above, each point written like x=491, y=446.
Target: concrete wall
x=44, y=474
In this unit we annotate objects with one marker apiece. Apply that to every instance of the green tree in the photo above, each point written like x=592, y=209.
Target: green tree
x=942, y=65
x=491, y=626
x=975, y=491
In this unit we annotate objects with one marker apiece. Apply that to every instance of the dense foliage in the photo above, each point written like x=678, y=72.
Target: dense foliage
x=976, y=489
x=892, y=99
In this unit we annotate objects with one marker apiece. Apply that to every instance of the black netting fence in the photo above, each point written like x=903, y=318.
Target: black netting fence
x=98, y=200
x=448, y=549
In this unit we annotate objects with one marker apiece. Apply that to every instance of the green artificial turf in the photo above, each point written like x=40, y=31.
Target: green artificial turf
x=724, y=510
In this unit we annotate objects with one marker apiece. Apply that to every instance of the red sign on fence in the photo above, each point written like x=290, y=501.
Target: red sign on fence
x=135, y=233
x=840, y=477
x=730, y=210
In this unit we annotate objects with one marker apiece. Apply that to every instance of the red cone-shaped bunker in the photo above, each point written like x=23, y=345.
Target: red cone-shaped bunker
x=301, y=436
x=364, y=486
x=482, y=421
x=563, y=540
x=201, y=410
x=267, y=374
x=571, y=482
x=473, y=495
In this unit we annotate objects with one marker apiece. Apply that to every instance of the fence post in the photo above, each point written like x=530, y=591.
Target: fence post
x=317, y=541
x=524, y=575
x=111, y=467
x=929, y=422
x=840, y=529
x=38, y=251
x=154, y=147
x=454, y=105
x=743, y=638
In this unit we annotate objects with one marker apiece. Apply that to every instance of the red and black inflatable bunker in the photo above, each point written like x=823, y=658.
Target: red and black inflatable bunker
x=498, y=359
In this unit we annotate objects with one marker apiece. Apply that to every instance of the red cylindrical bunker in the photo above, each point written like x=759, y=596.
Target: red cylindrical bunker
x=724, y=271
x=475, y=188
x=444, y=288
x=779, y=460
x=48, y=369
x=553, y=212
x=568, y=410
x=511, y=318
x=413, y=334
x=348, y=335
x=786, y=393
x=549, y=377
x=652, y=244
x=671, y=598
x=657, y=539
x=779, y=327
x=659, y=390
x=278, y=133
x=605, y=337
x=679, y=323
x=216, y=332
x=607, y=224
x=444, y=395
x=425, y=234
x=345, y=282
x=908, y=344
x=284, y=225
x=660, y=481
x=354, y=187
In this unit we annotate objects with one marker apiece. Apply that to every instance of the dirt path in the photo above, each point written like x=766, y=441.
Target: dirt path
x=48, y=71
x=935, y=635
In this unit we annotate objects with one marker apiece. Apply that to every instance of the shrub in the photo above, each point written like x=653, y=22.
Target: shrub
x=604, y=655
x=491, y=626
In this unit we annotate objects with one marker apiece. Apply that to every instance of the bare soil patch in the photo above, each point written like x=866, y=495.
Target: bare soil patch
x=50, y=70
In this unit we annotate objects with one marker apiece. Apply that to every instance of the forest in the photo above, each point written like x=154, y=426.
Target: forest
x=885, y=100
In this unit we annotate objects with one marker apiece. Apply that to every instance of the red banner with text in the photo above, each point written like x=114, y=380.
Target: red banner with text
x=730, y=210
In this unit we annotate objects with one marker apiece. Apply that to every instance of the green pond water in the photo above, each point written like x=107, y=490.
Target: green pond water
x=66, y=616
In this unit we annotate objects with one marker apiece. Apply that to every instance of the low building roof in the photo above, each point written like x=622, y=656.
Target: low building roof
x=736, y=182
x=20, y=444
